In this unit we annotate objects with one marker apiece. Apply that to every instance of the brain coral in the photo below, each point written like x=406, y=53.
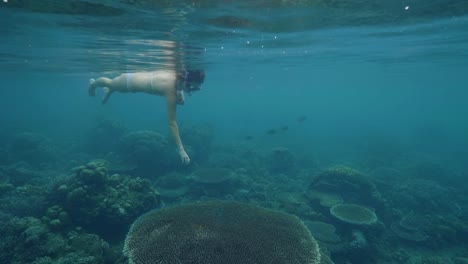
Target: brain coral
x=220, y=232
x=354, y=214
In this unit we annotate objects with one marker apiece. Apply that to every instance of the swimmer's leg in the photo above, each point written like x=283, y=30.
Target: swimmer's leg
x=101, y=82
x=107, y=93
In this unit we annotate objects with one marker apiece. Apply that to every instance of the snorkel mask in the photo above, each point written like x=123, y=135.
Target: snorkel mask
x=193, y=79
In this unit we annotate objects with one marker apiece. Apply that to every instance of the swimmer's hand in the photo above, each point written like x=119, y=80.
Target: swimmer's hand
x=184, y=157
x=180, y=98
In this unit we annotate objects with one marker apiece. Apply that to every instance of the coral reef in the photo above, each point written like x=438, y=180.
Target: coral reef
x=220, y=232
x=49, y=215
x=103, y=203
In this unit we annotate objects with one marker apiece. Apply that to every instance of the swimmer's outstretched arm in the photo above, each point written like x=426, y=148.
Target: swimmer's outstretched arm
x=171, y=104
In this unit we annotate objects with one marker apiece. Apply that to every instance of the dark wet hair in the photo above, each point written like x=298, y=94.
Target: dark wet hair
x=196, y=76
x=190, y=77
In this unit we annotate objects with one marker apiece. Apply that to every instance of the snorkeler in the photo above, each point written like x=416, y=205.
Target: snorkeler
x=168, y=83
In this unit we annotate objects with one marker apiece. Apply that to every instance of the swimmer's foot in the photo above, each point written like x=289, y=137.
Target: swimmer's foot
x=91, y=88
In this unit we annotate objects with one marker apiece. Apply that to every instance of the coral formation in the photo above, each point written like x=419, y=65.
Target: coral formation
x=352, y=185
x=353, y=214
x=103, y=203
x=220, y=232
x=39, y=245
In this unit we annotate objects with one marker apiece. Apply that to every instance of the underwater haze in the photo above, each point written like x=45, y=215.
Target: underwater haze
x=351, y=115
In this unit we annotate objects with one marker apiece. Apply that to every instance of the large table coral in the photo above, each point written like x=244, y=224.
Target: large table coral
x=220, y=232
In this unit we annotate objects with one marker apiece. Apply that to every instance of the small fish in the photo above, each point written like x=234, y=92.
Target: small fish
x=271, y=132
x=248, y=138
x=284, y=128
x=302, y=119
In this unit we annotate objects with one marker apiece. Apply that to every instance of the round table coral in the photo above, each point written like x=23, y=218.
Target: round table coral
x=354, y=214
x=220, y=232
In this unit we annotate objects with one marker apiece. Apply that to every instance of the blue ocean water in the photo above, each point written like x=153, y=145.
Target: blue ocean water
x=293, y=89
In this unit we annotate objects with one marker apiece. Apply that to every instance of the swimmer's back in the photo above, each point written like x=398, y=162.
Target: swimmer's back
x=157, y=82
